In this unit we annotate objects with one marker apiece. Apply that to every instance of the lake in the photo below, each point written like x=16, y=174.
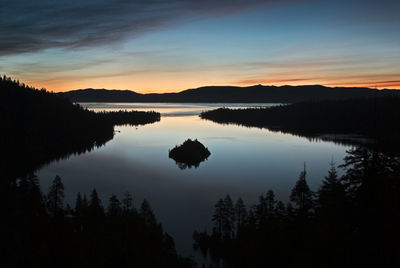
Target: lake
x=244, y=162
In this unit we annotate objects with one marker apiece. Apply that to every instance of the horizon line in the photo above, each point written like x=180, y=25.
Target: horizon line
x=235, y=86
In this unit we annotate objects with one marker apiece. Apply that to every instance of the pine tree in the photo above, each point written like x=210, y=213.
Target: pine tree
x=261, y=210
x=114, y=206
x=289, y=210
x=228, y=222
x=95, y=207
x=55, y=198
x=147, y=213
x=240, y=213
x=127, y=203
x=270, y=202
x=251, y=216
x=85, y=205
x=31, y=200
x=218, y=216
x=331, y=194
x=301, y=195
x=280, y=210
x=78, y=205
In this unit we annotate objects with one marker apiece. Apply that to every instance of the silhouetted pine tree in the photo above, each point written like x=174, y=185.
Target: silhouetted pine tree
x=261, y=210
x=270, y=202
x=218, y=216
x=114, y=207
x=79, y=210
x=301, y=195
x=372, y=180
x=85, y=204
x=332, y=194
x=280, y=210
x=95, y=208
x=147, y=213
x=55, y=198
x=228, y=222
x=240, y=213
x=127, y=203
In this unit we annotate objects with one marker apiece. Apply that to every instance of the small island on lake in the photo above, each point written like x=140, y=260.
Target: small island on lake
x=190, y=153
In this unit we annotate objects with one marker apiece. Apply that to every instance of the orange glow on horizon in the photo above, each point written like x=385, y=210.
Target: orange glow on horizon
x=164, y=82
x=169, y=87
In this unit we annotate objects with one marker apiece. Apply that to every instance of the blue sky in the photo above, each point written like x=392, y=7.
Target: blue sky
x=158, y=46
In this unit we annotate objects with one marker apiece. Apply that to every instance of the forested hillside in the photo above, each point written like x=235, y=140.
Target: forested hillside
x=39, y=126
x=226, y=94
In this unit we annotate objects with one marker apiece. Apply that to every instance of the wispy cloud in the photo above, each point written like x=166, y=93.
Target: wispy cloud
x=29, y=26
x=271, y=81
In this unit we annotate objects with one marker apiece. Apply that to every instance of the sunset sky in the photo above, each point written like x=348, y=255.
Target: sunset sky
x=172, y=45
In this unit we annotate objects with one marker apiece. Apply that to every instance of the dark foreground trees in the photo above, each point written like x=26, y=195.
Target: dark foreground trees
x=351, y=221
x=39, y=231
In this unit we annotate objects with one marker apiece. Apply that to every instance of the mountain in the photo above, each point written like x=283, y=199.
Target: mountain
x=257, y=93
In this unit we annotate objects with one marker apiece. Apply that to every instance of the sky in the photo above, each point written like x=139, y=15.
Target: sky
x=172, y=45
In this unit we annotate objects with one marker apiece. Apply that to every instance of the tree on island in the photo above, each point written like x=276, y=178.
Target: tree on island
x=190, y=153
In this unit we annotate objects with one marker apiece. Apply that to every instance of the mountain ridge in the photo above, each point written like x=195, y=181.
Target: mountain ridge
x=256, y=93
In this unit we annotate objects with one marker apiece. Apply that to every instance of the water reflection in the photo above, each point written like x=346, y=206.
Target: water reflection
x=244, y=162
x=171, y=109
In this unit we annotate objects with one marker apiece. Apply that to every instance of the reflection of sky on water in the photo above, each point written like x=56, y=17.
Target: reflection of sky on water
x=171, y=109
x=243, y=162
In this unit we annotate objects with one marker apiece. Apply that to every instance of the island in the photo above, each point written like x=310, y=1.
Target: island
x=190, y=153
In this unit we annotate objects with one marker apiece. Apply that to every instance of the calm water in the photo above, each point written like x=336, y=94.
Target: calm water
x=244, y=162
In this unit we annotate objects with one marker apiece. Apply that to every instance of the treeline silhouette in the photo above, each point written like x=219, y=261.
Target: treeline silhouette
x=39, y=126
x=124, y=117
x=37, y=230
x=215, y=94
x=351, y=221
x=41, y=231
x=375, y=118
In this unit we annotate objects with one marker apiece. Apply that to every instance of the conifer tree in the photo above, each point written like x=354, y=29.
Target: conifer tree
x=331, y=194
x=218, y=216
x=240, y=213
x=229, y=217
x=114, y=206
x=147, y=213
x=78, y=205
x=55, y=197
x=95, y=207
x=270, y=202
x=301, y=195
x=127, y=203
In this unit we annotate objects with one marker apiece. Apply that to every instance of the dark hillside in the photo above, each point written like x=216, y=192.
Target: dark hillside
x=258, y=93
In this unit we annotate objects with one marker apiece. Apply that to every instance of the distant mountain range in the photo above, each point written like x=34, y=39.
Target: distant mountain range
x=215, y=94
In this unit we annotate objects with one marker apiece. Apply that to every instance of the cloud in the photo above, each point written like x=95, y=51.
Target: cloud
x=368, y=83
x=271, y=81
x=30, y=26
